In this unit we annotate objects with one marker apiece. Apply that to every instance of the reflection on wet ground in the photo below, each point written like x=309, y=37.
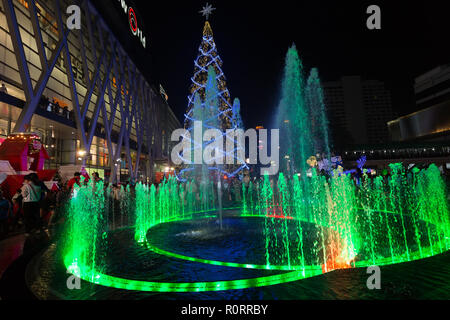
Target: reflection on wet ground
x=423, y=279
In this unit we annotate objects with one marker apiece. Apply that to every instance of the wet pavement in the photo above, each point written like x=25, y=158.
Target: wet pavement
x=422, y=279
x=10, y=250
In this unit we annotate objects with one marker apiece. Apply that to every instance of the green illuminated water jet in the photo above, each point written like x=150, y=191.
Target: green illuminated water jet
x=312, y=223
x=346, y=226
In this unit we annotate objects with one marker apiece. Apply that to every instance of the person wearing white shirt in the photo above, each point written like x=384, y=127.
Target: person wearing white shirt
x=31, y=193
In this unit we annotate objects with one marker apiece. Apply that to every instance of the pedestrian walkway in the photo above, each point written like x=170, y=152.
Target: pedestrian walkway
x=10, y=250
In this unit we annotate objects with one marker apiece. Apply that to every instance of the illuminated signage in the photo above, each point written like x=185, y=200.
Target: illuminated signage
x=133, y=22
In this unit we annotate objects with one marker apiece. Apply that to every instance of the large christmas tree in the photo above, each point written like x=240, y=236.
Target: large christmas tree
x=208, y=57
x=210, y=103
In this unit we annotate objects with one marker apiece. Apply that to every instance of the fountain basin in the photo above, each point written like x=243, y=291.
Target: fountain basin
x=197, y=256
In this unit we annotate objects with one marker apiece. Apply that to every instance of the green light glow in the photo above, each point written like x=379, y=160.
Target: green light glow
x=379, y=223
x=138, y=285
x=231, y=264
x=312, y=224
x=385, y=261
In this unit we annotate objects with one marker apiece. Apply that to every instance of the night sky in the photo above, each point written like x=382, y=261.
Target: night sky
x=253, y=36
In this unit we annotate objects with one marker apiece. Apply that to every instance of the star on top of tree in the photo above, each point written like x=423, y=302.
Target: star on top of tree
x=207, y=10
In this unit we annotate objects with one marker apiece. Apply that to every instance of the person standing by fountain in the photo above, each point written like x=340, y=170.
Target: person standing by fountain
x=44, y=193
x=31, y=196
x=17, y=209
x=96, y=179
x=76, y=179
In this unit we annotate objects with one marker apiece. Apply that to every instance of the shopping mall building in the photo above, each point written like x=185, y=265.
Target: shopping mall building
x=81, y=90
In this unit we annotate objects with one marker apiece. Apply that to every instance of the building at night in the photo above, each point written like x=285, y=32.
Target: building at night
x=432, y=87
x=81, y=90
x=358, y=110
x=432, y=121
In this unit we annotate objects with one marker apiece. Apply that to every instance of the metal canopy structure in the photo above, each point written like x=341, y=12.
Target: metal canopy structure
x=111, y=91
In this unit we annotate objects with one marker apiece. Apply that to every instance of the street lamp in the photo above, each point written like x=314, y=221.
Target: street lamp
x=81, y=154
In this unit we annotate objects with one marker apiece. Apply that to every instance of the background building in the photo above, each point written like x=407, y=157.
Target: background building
x=432, y=122
x=358, y=111
x=80, y=90
x=433, y=87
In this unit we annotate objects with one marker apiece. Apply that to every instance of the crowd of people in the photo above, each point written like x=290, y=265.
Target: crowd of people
x=29, y=209
x=34, y=207
x=54, y=106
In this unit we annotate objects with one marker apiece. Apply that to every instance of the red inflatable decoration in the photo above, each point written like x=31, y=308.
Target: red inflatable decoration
x=25, y=153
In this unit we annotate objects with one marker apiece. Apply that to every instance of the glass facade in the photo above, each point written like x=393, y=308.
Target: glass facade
x=100, y=94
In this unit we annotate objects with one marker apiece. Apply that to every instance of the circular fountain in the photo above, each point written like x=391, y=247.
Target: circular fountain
x=283, y=231
x=284, y=228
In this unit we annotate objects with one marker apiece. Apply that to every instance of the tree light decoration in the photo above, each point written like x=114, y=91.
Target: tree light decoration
x=207, y=57
x=210, y=103
x=207, y=10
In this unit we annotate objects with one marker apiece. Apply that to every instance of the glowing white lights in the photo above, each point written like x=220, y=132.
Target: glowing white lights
x=207, y=10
